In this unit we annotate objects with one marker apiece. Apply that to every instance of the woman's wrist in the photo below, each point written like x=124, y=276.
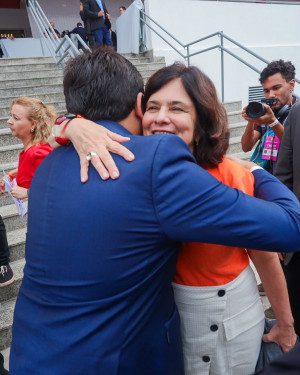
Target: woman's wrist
x=59, y=130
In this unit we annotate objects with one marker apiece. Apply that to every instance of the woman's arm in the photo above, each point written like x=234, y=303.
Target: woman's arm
x=272, y=277
x=87, y=136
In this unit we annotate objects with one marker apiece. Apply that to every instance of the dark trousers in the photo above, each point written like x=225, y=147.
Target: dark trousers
x=292, y=275
x=102, y=36
x=4, y=251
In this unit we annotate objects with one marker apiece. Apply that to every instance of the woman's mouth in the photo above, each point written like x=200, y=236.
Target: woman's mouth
x=162, y=132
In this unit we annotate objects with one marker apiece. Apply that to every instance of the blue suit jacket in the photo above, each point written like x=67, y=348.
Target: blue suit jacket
x=96, y=297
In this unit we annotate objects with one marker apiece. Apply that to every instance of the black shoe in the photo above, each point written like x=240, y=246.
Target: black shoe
x=6, y=275
x=269, y=313
x=261, y=289
x=2, y=369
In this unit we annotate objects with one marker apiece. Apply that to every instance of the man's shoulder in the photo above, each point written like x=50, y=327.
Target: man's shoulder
x=296, y=107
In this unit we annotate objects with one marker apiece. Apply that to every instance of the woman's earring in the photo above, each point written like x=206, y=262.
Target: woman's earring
x=32, y=130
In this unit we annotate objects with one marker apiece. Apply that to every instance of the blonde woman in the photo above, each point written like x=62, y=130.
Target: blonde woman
x=31, y=121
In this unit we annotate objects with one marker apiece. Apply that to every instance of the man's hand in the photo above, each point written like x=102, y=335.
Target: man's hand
x=284, y=336
x=2, y=186
x=244, y=163
x=19, y=192
x=108, y=16
x=267, y=118
x=101, y=13
x=244, y=114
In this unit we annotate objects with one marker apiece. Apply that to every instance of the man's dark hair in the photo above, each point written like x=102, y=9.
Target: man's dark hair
x=211, y=128
x=79, y=24
x=285, y=68
x=101, y=85
x=123, y=7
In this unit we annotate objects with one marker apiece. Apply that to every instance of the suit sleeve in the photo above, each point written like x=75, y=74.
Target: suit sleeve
x=88, y=12
x=284, y=168
x=191, y=205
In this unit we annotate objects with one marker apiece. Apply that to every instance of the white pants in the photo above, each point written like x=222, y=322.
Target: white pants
x=221, y=326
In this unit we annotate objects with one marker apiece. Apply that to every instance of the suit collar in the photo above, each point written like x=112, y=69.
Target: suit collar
x=114, y=127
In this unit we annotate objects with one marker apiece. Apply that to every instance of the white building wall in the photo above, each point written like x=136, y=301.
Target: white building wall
x=271, y=31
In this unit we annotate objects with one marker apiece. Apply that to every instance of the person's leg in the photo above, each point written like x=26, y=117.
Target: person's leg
x=98, y=34
x=107, y=36
x=292, y=274
x=4, y=251
x=6, y=274
x=91, y=39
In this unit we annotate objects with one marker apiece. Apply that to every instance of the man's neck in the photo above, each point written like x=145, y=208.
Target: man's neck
x=290, y=101
x=132, y=123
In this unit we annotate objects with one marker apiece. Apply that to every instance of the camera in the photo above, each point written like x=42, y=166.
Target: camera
x=257, y=109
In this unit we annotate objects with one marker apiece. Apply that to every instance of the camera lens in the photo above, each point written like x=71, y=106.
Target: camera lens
x=255, y=110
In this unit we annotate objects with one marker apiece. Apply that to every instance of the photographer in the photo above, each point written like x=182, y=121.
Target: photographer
x=278, y=81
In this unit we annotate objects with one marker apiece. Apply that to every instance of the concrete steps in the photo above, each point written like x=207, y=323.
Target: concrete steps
x=6, y=320
x=11, y=218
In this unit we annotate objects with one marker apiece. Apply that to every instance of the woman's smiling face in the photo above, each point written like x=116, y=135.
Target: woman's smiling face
x=170, y=110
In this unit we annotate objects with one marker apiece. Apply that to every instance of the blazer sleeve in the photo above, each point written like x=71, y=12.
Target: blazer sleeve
x=88, y=12
x=191, y=205
x=284, y=168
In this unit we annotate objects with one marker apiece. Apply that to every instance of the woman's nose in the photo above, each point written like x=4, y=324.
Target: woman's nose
x=162, y=116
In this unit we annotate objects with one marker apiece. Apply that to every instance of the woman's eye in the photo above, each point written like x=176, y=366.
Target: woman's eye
x=177, y=109
x=152, y=108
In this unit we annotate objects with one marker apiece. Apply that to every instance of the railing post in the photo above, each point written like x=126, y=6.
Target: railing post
x=222, y=66
x=188, y=55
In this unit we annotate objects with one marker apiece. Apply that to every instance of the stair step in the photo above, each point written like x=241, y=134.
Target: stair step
x=11, y=218
x=7, y=139
x=10, y=291
x=6, y=319
x=233, y=106
x=31, y=91
x=150, y=66
x=9, y=166
x=49, y=97
x=26, y=61
x=237, y=129
x=5, y=199
x=30, y=82
x=39, y=73
x=16, y=240
x=235, y=145
x=29, y=67
x=10, y=153
x=235, y=117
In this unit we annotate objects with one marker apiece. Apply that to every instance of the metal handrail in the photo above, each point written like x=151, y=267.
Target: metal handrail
x=277, y=2
x=187, y=56
x=60, y=48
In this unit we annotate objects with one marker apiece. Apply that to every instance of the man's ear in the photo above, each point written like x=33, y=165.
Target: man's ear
x=138, y=106
x=292, y=84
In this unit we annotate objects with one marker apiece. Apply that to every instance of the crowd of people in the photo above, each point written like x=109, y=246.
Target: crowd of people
x=149, y=273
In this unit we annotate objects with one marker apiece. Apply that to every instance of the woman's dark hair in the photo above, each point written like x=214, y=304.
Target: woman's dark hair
x=101, y=85
x=211, y=128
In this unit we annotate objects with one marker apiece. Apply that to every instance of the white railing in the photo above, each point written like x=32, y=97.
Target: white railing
x=60, y=48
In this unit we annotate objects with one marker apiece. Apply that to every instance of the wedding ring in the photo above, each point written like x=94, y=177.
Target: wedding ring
x=90, y=154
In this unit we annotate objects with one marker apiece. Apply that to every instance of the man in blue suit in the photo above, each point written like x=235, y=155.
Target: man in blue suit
x=96, y=297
